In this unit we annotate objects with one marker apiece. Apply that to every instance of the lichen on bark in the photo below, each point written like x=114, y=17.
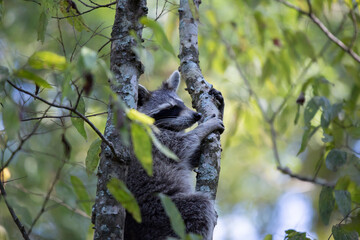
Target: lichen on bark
x=205, y=98
x=108, y=215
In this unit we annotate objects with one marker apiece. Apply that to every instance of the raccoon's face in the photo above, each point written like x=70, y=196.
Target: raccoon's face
x=165, y=106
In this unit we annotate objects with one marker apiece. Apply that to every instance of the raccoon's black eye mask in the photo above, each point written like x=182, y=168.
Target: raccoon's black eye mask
x=171, y=112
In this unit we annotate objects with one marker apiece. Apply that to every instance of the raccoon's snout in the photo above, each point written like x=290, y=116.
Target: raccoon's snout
x=197, y=116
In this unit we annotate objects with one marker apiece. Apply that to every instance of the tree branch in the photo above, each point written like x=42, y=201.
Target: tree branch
x=317, y=181
x=323, y=28
x=205, y=98
x=108, y=215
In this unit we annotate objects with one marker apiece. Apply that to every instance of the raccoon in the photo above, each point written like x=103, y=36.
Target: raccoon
x=170, y=177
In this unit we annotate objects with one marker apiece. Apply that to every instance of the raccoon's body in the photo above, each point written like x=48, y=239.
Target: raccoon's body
x=170, y=177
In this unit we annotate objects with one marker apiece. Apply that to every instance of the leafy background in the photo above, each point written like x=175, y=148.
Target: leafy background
x=264, y=57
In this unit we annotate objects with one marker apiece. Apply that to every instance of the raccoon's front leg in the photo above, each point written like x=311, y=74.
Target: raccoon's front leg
x=192, y=140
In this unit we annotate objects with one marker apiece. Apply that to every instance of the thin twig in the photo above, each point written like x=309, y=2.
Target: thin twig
x=61, y=40
x=317, y=181
x=88, y=11
x=12, y=213
x=52, y=198
x=271, y=120
x=42, y=210
x=323, y=28
x=347, y=215
x=22, y=141
x=103, y=138
x=62, y=116
x=353, y=18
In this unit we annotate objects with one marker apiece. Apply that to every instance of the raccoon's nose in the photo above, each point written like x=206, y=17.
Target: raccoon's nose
x=197, y=116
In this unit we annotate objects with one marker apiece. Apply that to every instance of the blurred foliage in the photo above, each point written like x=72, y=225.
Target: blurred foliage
x=292, y=101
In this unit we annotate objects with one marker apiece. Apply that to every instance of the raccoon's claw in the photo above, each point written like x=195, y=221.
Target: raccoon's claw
x=219, y=98
x=216, y=125
x=222, y=128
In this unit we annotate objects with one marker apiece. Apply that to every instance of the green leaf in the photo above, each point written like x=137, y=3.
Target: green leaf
x=354, y=225
x=335, y=159
x=343, y=183
x=340, y=233
x=47, y=60
x=78, y=122
x=194, y=10
x=10, y=117
x=294, y=235
x=159, y=34
x=174, y=215
x=304, y=46
x=88, y=59
x=308, y=133
x=310, y=110
x=326, y=204
x=142, y=146
x=268, y=237
x=21, y=73
x=92, y=157
x=304, y=140
x=81, y=193
x=123, y=195
x=43, y=22
x=66, y=84
x=343, y=200
x=192, y=236
x=72, y=15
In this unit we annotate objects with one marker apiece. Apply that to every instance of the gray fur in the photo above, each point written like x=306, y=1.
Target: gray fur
x=170, y=177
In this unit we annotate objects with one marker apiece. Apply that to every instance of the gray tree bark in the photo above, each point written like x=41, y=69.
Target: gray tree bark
x=205, y=98
x=108, y=215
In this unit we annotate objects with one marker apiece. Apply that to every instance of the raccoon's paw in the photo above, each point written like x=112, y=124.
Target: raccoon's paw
x=216, y=124
x=219, y=99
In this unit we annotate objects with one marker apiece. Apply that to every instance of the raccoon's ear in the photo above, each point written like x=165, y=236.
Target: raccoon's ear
x=173, y=82
x=143, y=95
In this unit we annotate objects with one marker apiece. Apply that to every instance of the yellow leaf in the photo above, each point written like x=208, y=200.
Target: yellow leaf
x=135, y=115
x=5, y=175
x=47, y=60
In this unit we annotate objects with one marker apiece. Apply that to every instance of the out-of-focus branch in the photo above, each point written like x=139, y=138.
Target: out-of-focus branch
x=103, y=138
x=92, y=8
x=22, y=142
x=271, y=120
x=47, y=197
x=52, y=198
x=62, y=116
x=323, y=28
x=346, y=217
x=317, y=181
x=12, y=213
x=355, y=25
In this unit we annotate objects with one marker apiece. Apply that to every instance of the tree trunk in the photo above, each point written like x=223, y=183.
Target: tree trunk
x=205, y=98
x=108, y=214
